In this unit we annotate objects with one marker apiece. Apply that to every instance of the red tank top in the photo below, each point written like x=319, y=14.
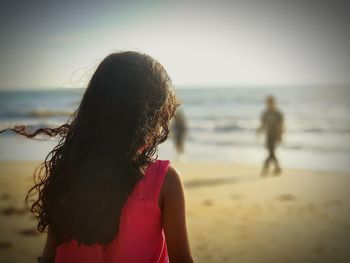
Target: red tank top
x=141, y=236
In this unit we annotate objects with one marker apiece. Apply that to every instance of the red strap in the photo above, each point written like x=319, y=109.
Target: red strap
x=155, y=178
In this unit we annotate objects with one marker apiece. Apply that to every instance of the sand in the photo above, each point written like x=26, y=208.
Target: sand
x=234, y=215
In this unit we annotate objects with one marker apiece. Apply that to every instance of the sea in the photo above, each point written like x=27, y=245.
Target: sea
x=221, y=123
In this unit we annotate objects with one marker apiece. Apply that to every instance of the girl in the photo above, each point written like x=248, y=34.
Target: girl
x=100, y=193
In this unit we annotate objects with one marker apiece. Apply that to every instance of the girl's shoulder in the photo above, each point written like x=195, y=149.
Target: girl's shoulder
x=172, y=177
x=161, y=182
x=172, y=187
x=164, y=173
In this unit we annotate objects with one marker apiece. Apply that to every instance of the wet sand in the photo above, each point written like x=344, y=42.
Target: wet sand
x=234, y=215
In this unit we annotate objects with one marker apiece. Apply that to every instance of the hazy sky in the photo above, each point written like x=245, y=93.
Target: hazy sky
x=59, y=43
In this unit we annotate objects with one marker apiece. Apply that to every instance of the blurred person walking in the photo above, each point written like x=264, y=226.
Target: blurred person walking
x=179, y=129
x=272, y=124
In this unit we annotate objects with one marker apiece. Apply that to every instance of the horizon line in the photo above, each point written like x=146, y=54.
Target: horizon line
x=186, y=86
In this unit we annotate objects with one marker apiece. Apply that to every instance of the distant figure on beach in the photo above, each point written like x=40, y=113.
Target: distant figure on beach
x=101, y=195
x=272, y=123
x=179, y=130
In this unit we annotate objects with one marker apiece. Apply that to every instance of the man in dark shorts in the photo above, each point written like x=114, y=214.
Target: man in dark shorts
x=272, y=124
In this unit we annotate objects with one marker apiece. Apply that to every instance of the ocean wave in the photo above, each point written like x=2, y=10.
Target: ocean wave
x=221, y=126
x=314, y=130
x=232, y=128
x=49, y=113
x=36, y=114
x=234, y=142
x=249, y=126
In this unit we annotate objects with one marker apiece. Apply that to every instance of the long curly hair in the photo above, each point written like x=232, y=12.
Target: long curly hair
x=103, y=151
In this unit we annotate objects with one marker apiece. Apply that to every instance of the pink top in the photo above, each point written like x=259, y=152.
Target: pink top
x=140, y=238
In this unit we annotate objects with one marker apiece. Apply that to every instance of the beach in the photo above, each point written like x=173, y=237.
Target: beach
x=234, y=215
x=225, y=90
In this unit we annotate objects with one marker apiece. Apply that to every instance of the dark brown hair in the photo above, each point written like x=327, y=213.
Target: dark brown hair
x=85, y=180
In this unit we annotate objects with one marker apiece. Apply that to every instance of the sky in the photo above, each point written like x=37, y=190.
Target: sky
x=200, y=43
